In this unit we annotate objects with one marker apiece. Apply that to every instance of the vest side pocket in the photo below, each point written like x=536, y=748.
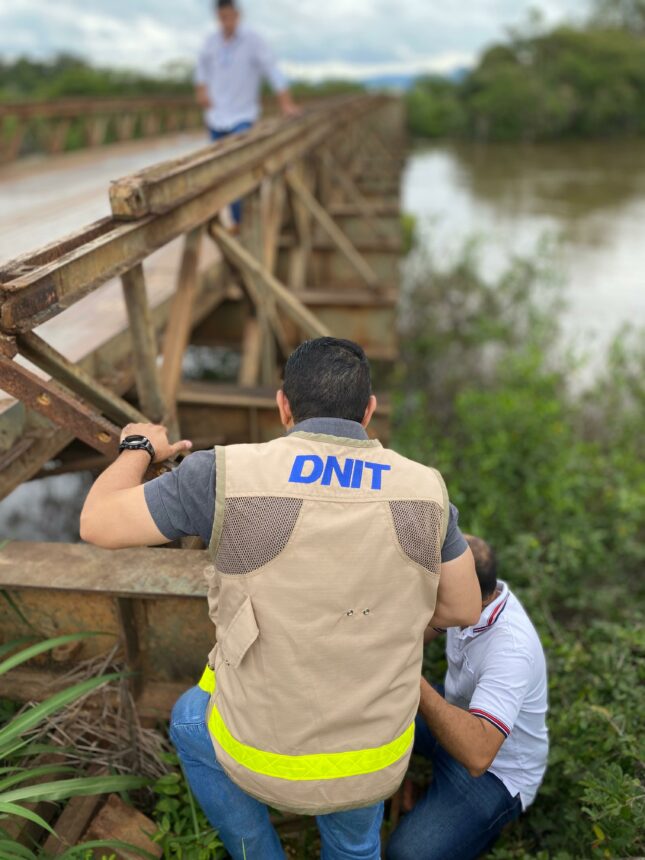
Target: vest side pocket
x=240, y=634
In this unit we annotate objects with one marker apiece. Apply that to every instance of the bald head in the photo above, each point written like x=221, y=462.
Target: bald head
x=485, y=565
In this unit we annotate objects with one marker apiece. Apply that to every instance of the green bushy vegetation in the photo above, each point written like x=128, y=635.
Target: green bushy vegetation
x=183, y=830
x=555, y=480
x=573, y=81
x=69, y=76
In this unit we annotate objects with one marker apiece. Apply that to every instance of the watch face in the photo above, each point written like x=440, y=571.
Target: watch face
x=135, y=437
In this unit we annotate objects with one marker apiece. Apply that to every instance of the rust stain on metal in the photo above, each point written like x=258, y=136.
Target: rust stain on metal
x=23, y=311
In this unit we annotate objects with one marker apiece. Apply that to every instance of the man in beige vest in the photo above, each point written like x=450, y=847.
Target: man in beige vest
x=331, y=555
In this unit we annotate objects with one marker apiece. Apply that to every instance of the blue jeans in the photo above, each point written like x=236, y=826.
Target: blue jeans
x=218, y=134
x=242, y=821
x=459, y=816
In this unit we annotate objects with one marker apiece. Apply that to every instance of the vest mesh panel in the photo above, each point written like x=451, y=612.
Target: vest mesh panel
x=255, y=531
x=417, y=526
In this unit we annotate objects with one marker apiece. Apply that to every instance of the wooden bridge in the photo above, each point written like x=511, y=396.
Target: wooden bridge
x=95, y=330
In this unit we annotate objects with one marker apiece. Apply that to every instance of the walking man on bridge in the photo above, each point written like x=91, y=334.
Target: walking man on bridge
x=331, y=556
x=231, y=66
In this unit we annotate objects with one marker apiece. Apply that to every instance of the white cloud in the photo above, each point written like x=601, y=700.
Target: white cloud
x=313, y=39
x=324, y=70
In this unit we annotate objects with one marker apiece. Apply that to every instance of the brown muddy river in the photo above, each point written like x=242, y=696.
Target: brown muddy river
x=590, y=196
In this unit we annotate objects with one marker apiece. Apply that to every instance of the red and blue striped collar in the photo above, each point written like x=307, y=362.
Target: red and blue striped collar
x=490, y=615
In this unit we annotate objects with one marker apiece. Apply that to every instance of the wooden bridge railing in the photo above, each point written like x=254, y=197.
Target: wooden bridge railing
x=95, y=330
x=53, y=126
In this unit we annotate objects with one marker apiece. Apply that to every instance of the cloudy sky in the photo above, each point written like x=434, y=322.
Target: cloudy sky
x=313, y=38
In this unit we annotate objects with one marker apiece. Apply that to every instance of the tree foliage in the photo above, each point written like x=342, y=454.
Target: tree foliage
x=67, y=76
x=569, y=82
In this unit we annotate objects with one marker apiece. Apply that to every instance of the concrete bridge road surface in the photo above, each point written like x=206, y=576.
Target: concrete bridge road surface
x=42, y=198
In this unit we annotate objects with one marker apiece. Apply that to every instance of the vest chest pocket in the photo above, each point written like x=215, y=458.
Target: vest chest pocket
x=240, y=634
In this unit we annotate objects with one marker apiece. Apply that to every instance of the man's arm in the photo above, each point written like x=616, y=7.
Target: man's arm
x=201, y=79
x=459, y=599
x=276, y=79
x=431, y=633
x=201, y=96
x=115, y=513
x=472, y=741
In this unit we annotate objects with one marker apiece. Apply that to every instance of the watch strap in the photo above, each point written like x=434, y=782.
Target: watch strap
x=131, y=443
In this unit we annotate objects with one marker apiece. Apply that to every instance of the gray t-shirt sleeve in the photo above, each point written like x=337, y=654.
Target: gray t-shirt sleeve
x=182, y=502
x=455, y=543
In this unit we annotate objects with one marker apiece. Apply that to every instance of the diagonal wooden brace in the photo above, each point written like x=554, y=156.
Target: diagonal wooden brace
x=291, y=306
x=354, y=194
x=327, y=223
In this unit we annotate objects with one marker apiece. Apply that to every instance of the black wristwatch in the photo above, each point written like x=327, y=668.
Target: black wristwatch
x=135, y=442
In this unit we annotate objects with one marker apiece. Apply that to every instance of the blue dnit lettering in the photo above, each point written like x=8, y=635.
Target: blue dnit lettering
x=309, y=468
x=357, y=476
x=297, y=475
x=333, y=467
x=377, y=471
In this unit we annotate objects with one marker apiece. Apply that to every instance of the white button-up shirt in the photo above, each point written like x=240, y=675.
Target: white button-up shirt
x=232, y=70
x=497, y=671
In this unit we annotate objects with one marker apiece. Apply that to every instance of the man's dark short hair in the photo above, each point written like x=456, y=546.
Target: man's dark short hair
x=225, y=4
x=485, y=564
x=328, y=378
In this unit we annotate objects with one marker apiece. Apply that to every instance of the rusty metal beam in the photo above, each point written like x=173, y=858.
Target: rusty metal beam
x=59, y=406
x=44, y=356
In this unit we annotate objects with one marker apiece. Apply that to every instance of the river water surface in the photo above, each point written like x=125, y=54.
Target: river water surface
x=591, y=196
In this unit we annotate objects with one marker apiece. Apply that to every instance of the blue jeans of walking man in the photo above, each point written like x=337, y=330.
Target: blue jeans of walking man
x=242, y=822
x=218, y=134
x=459, y=817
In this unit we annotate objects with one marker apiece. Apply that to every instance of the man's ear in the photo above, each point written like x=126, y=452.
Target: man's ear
x=286, y=418
x=369, y=410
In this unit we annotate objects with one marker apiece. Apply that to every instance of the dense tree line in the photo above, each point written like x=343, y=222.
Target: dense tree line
x=586, y=81
x=69, y=76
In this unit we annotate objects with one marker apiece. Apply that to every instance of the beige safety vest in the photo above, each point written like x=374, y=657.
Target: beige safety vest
x=327, y=555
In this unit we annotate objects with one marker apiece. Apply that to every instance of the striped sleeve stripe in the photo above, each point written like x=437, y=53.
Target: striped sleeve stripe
x=493, y=617
x=503, y=728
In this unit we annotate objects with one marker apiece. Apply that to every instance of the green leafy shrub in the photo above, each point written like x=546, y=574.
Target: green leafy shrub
x=184, y=831
x=556, y=482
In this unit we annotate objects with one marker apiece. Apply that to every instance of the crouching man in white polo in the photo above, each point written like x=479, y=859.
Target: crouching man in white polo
x=485, y=734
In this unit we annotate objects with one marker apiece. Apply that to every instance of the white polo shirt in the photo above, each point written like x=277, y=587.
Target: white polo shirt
x=232, y=70
x=497, y=671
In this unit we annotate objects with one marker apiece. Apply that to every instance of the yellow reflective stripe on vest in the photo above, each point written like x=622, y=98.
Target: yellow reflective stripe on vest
x=207, y=681
x=303, y=767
